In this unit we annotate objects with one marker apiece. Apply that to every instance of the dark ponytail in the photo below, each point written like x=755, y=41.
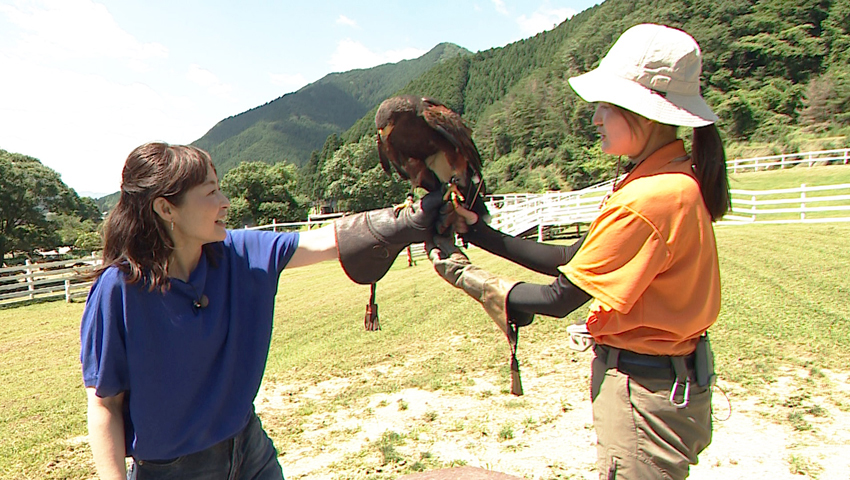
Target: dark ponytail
x=710, y=161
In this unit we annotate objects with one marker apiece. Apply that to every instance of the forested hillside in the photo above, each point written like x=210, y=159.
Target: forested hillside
x=777, y=72
x=772, y=69
x=290, y=127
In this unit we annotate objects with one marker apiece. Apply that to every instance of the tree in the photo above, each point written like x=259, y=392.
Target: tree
x=261, y=193
x=30, y=194
x=359, y=183
x=312, y=184
x=828, y=99
x=82, y=223
x=70, y=229
x=88, y=242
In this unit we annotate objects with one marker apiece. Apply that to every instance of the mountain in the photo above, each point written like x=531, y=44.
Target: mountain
x=292, y=126
x=106, y=202
x=772, y=70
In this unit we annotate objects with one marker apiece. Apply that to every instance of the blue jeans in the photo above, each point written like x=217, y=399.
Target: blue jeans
x=250, y=455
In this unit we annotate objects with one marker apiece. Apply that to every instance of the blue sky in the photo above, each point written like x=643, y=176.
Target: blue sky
x=83, y=82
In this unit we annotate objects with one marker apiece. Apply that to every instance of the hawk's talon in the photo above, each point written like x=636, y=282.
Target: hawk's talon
x=453, y=194
x=407, y=204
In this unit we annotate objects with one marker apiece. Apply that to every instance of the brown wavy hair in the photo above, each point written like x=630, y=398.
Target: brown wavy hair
x=136, y=239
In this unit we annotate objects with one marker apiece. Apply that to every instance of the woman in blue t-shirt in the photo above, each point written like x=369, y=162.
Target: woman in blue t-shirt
x=177, y=326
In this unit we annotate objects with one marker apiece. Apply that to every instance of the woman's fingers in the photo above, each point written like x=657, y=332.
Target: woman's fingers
x=468, y=216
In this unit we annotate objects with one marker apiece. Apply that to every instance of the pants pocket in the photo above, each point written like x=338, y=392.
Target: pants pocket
x=608, y=470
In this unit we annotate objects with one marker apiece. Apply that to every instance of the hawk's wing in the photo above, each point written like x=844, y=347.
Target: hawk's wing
x=450, y=125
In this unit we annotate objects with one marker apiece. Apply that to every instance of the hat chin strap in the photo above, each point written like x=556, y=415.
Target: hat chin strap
x=660, y=135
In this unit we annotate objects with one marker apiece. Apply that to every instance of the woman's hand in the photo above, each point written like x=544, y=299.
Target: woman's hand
x=455, y=217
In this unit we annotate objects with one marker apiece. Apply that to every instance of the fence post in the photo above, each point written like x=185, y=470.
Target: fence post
x=30, y=287
x=67, y=290
x=810, y=159
x=846, y=155
x=803, y=201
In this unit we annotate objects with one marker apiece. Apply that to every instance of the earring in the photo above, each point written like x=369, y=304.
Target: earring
x=172, y=225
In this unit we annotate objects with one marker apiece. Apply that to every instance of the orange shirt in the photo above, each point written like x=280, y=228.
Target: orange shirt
x=650, y=260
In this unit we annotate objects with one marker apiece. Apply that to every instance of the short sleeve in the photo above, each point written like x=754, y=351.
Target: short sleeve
x=622, y=254
x=102, y=336
x=267, y=250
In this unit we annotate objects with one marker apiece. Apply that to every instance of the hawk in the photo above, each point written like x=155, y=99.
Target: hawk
x=429, y=144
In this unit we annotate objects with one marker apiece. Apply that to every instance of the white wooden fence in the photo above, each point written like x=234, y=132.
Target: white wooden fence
x=841, y=155
x=541, y=213
x=806, y=204
x=522, y=213
x=64, y=278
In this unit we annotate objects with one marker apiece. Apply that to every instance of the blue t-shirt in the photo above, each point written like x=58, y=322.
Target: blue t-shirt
x=189, y=374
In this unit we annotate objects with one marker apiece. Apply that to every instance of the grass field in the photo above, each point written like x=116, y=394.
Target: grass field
x=785, y=304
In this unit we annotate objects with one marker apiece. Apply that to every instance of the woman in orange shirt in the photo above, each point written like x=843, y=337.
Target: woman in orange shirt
x=648, y=262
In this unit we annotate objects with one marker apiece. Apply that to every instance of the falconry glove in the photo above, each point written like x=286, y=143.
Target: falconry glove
x=369, y=242
x=488, y=289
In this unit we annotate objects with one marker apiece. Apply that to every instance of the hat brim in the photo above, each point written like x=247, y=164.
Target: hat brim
x=670, y=108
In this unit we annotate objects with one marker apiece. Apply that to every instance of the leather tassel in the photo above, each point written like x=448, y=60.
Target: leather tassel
x=371, y=320
x=516, y=382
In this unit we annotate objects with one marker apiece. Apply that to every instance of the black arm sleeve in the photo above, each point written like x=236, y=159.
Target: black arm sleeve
x=556, y=300
x=540, y=257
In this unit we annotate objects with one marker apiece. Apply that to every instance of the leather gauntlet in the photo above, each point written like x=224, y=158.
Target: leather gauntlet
x=369, y=242
x=488, y=289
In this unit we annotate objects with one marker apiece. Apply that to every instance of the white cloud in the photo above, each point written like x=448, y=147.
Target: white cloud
x=350, y=54
x=208, y=80
x=343, y=20
x=290, y=82
x=73, y=107
x=84, y=125
x=75, y=29
x=544, y=18
x=500, y=7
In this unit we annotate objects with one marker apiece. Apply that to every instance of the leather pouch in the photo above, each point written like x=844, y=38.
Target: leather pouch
x=704, y=362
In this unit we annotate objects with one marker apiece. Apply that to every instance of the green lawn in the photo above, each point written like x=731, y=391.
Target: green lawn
x=784, y=304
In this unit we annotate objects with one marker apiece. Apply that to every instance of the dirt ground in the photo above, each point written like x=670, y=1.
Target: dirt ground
x=788, y=432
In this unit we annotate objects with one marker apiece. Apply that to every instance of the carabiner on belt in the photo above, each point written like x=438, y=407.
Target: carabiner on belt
x=681, y=370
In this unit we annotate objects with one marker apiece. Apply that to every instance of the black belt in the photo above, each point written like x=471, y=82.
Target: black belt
x=640, y=364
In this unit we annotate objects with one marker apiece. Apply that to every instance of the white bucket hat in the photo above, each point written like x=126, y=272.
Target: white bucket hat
x=652, y=70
